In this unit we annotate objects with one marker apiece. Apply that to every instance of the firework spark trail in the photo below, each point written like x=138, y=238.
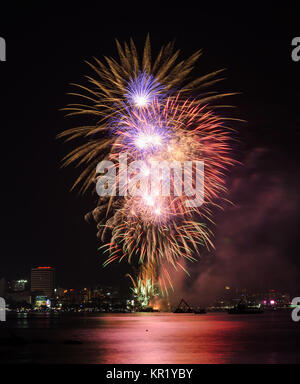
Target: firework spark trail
x=145, y=286
x=144, y=110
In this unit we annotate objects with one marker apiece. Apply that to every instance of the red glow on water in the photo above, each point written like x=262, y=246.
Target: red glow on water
x=165, y=338
x=155, y=339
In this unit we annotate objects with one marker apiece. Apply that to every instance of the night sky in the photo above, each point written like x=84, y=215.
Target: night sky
x=257, y=239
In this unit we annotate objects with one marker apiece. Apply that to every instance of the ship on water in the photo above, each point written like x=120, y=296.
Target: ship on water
x=184, y=307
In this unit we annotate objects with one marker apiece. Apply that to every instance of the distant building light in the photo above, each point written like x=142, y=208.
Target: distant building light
x=42, y=301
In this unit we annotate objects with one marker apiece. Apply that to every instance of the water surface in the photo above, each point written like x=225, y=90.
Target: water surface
x=154, y=338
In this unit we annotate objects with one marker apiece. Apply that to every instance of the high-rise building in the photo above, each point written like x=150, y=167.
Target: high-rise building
x=43, y=281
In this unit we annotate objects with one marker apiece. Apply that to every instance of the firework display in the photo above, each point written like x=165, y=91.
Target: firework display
x=151, y=114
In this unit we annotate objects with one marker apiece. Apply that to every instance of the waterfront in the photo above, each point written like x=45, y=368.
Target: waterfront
x=155, y=338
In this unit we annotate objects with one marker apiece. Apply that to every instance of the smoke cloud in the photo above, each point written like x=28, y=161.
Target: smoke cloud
x=254, y=238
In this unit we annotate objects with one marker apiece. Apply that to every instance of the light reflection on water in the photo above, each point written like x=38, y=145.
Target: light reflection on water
x=155, y=338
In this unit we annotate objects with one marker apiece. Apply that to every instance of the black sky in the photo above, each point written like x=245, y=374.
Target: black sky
x=42, y=222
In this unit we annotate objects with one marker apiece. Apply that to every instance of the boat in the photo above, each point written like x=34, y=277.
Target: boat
x=184, y=307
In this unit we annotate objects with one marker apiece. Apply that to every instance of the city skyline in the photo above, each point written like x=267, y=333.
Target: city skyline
x=43, y=283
